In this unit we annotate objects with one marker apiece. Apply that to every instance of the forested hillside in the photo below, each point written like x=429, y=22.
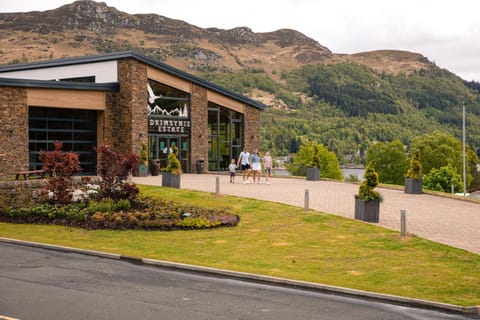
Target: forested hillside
x=348, y=106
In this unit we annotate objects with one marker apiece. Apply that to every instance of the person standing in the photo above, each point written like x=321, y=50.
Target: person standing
x=244, y=163
x=232, y=167
x=256, y=166
x=267, y=165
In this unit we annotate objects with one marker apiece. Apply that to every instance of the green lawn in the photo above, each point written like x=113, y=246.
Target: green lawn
x=284, y=241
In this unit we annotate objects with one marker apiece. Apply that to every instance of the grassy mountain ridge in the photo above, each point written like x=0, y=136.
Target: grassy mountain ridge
x=344, y=101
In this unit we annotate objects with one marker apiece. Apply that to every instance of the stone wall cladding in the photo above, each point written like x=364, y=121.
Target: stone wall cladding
x=21, y=192
x=252, y=128
x=109, y=119
x=128, y=115
x=199, y=127
x=13, y=131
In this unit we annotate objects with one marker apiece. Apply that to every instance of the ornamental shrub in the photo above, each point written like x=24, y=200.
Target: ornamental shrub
x=366, y=191
x=144, y=155
x=62, y=166
x=316, y=157
x=197, y=223
x=415, y=167
x=174, y=165
x=114, y=169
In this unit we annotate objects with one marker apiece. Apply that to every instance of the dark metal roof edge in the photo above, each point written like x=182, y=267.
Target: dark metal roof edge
x=66, y=61
x=140, y=57
x=47, y=84
x=196, y=80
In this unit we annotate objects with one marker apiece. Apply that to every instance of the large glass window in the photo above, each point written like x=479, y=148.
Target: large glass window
x=76, y=129
x=225, y=136
x=168, y=123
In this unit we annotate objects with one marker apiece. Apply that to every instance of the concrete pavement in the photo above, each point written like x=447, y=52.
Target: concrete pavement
x=454, y=222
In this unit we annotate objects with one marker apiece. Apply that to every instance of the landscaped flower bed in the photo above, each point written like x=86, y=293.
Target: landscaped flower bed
x=142, y=213
x=112, y=204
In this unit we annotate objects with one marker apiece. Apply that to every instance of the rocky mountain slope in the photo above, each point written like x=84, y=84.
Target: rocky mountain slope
x=88, y=27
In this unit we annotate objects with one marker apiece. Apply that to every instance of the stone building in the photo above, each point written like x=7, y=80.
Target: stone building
x=126, y=100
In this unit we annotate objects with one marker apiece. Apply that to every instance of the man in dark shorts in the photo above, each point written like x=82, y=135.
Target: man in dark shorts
x=244, y=162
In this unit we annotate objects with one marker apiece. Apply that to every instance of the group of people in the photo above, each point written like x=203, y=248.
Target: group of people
x=251, y=164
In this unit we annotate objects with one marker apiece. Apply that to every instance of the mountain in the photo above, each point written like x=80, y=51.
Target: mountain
x=344, y=101
x=88, y=27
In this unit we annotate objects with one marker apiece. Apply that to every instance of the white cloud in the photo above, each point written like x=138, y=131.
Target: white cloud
x=444, y=31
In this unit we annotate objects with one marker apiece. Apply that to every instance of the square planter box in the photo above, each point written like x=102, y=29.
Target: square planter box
x=368, y=211
x=170, y=180
x=313, y=174
x=413, y=186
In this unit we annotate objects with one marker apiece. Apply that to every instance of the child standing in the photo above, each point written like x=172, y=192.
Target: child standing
x=232, y=167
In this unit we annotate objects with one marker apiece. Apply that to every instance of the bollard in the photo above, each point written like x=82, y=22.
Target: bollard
x=452, y=188
x=306, y=200
x=403, y=223
x=217, y=185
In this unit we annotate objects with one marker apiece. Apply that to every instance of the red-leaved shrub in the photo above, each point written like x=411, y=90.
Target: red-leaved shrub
x=62, y=166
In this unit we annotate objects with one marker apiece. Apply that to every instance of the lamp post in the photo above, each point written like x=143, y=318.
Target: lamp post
x=463, y=146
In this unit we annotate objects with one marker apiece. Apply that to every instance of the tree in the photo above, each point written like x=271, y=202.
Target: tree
x=330, y=167
x=439, y=150
x=442, y=179
x=390, y=161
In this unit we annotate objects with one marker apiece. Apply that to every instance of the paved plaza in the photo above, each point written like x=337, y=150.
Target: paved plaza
x=441, y=219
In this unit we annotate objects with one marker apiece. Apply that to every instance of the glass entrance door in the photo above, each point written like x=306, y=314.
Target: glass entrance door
x=161, y=146
x=225, y=137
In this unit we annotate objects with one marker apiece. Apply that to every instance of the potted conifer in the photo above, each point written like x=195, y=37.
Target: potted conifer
x=413, y=179
x=142, y=166
x=313, y=171
x=171, y=175
x=367, y=202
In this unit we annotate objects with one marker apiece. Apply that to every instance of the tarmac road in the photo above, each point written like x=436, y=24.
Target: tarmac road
x=45, y=284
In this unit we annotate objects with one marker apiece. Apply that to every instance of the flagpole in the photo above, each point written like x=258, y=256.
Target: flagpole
x=464, y=159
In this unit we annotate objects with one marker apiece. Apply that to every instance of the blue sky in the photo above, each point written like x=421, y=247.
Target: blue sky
x=446, y=32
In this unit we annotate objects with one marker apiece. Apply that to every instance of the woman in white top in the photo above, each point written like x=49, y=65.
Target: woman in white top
x=256, y=166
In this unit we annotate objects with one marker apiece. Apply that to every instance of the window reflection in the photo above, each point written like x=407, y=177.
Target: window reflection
x=225, y=140
x=76, y=129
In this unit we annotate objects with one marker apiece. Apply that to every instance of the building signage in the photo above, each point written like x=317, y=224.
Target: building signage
x=163, y=125
x=167, y=115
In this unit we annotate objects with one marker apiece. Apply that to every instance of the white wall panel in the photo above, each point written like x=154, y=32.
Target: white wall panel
x=103, y=71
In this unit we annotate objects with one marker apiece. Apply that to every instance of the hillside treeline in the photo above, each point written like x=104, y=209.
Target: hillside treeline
x=347, y=106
